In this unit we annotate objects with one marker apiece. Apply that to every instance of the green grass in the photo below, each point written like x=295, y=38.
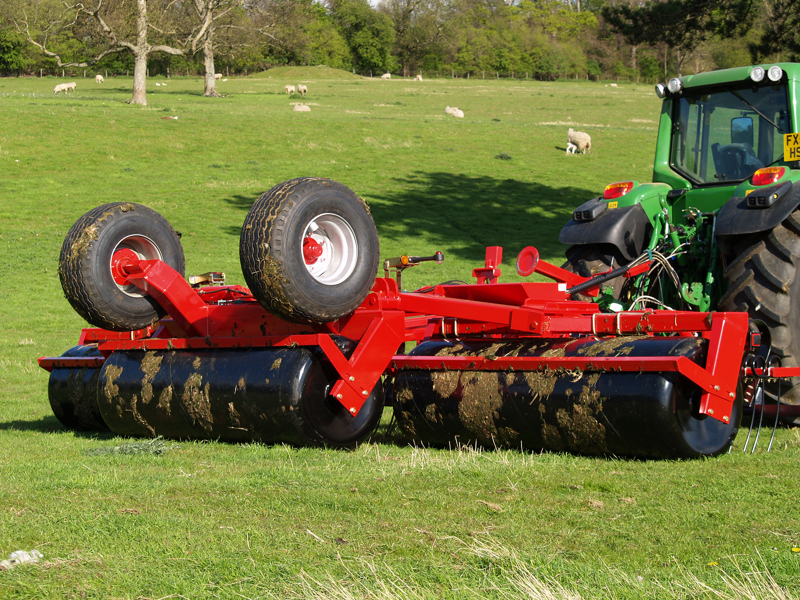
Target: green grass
x=119, y=518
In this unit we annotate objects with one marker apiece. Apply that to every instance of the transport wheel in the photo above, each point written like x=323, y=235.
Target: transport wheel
x=763, y=280
x=309, y=250
x=93, y=248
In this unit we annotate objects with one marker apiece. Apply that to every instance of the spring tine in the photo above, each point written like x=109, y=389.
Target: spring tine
x=760, y=404
x=777, y=410
x=751, y=362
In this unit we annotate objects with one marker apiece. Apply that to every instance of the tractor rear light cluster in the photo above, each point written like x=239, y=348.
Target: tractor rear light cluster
x=766, y=197
x=615, y=190
x=768, y=175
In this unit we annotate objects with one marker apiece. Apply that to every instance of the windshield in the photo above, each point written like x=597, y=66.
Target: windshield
x=727, y=134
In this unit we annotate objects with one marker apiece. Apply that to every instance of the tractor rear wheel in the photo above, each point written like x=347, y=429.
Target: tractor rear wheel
x=309, y=250
x=763, y=280
x=93, y=246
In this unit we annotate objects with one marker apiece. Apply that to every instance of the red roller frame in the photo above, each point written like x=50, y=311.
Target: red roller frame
x=230, y=317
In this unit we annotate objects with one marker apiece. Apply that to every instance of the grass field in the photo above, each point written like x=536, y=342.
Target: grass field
x=120, y=518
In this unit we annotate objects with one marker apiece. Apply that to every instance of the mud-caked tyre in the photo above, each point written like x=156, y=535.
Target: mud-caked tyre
x=764, y=281
x=88, y=255
x=309, y=250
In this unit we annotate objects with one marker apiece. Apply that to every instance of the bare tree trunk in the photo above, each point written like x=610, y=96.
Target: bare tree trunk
x=140, y=53
x=208, y=61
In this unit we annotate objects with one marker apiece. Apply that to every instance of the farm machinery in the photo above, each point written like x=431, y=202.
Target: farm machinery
x=672, y=316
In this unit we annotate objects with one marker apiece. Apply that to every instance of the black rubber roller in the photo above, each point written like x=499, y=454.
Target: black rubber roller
x=73, y=393
x=649, y=415
x=266, y=395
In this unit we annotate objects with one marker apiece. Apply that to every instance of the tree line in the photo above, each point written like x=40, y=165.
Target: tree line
x=540, y=39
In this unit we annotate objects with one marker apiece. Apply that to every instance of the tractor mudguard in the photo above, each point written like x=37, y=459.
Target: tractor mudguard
x=760, y=210
x=625, y=228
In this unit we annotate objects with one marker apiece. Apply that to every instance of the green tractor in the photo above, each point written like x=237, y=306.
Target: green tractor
x=718, y=227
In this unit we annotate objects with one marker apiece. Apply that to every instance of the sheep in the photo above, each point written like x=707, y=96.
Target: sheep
x=301, y=108
x=459, y=114
x=578, y=140
x=418, y=78
x=450, y=109
x=65, y=87
x=217, y=75
x=613, y=84
x=301, y=89
x=289, y=89
x=386, y=76
x=99, y=78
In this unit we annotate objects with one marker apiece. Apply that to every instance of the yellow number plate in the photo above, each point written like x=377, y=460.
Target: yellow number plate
x=791, y=147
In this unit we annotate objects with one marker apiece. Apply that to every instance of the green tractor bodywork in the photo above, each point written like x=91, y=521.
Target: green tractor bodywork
x=718, y=220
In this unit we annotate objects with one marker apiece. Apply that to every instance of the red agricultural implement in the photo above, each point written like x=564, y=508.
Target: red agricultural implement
x=312, y=350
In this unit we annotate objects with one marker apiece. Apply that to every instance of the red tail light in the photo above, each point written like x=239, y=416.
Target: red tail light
x=768, y=175
x=615, y=190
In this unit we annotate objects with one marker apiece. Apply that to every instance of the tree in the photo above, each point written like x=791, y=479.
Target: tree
x=781, y=36
x=685, y=24
x=369, y=34
x=419, y=25
x=110, y=26
x=209, y=16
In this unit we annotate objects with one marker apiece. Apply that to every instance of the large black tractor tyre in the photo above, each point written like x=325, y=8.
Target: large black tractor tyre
x=309, y=250
x=87, y=264
x=763, y=280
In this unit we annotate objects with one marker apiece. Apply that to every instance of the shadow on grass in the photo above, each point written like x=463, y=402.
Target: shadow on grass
x=51, y=424
x=463, y=214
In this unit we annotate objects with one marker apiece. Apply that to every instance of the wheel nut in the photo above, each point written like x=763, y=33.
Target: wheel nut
x=365, y=393
x=352, y=378
x=726, y=419
x=710, y=411
x=338, y=396
x=353, y=410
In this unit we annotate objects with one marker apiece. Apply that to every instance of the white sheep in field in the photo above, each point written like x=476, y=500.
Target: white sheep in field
x=65, y=87
x=217, y=75
x=99, y=78
x=289, y=89
x=418, y=78
x=301, y=89
x=301, y=108
x=458, y=113
x=578, y=140
x=449, y=109
x=386, y=76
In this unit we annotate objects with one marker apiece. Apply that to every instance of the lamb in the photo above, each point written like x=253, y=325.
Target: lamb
x=289, y=89
x=217, y=75
x=99, y=78
x=65, y=87
x=418, y=78
x=301, y=108
x=386, y=76
x=578, y=140
x=301, y=89
x=449, y=109
x=459, y=114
